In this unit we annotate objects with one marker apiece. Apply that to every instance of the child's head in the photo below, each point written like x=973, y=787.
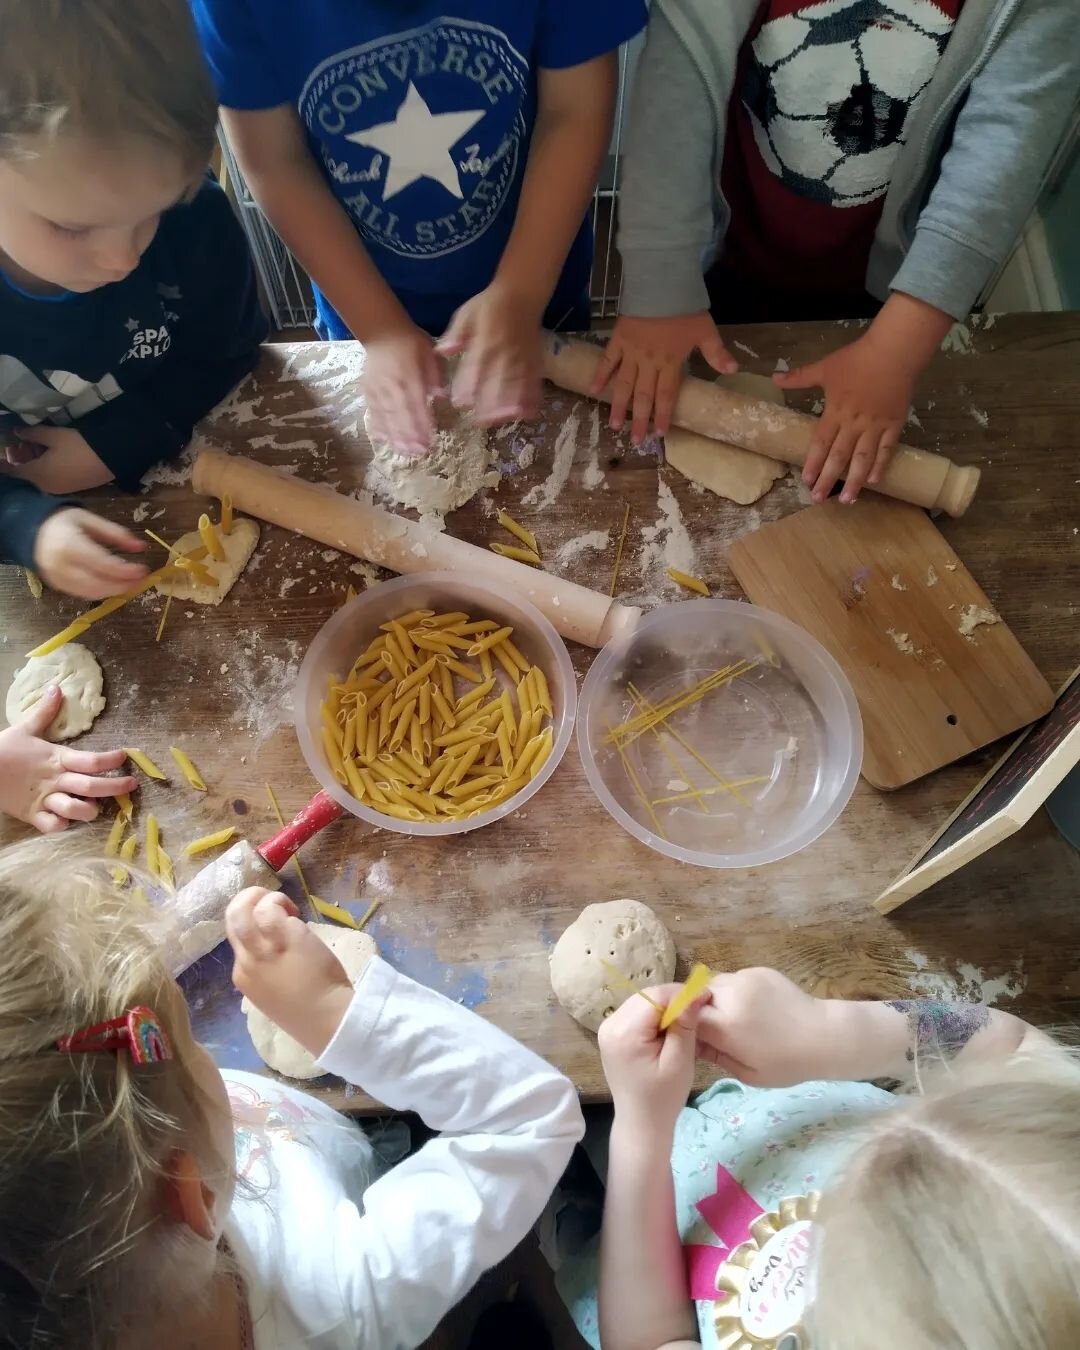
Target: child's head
x=958, y=1222
x=107, y=117
x=114, y=1176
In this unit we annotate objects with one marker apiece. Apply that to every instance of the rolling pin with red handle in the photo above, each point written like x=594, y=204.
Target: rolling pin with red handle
x=916, y=476
x=391, y=541
x=196, y=914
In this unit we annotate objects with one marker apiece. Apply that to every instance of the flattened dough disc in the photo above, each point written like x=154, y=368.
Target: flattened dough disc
x=738, y=475
x=275, y=1047
x=239, y=544
x=75, y=669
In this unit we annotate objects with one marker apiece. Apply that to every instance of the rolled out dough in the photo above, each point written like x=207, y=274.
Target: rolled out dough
x=275, y=1047
x=458, y=466
x=239, y=544
x=738, y=475
x=629, y=937
x=75, y=669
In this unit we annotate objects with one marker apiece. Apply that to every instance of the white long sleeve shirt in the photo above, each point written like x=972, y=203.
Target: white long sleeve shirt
x=331, y=1264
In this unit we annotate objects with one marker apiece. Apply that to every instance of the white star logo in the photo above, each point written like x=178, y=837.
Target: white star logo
x=418, y=143
x=132, y=325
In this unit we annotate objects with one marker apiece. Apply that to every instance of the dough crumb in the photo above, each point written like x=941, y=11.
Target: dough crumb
x=973, y=616
x=677, y=785
x=931, y=576
x=902, y=641
x=897, y=584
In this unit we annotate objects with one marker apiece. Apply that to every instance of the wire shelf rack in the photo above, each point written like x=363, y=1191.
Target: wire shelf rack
x=287, y=290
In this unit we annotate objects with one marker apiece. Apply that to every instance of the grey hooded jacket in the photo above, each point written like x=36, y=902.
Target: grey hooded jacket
x=976, y=151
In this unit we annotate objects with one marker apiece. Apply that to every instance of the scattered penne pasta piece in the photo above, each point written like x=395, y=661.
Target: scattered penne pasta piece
x=511, y=526
x=190, y=772
x=209, y=841
x=688, y=583
x=519, y=554
x=145, y=763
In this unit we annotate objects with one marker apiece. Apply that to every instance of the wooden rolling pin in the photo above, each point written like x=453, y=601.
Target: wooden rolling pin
x=391, y=541
x=916, y=476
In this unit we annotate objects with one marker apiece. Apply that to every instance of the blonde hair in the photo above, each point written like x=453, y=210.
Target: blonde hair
x=114, y=69
x=957, y=1223
x=86, y=1138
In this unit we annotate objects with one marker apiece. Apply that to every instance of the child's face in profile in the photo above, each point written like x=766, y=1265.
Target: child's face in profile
x=77, y=214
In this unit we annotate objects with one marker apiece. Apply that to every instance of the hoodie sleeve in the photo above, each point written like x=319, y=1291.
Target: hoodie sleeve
x=1002, y=145
x=23, y=511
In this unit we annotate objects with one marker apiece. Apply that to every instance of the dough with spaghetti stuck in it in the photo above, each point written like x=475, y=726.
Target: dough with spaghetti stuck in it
x=75, y=669
x=630, y=938
x=238, y=545
x=276, y=1048
x=739, y=475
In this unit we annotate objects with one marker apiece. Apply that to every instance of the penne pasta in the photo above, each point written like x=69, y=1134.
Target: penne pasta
x=511, y=526
x=527, y=556
x=145, y=763
x=208, y=842
x=187, y=768
x=489, y=640
x=443, y=620
x=541, y=690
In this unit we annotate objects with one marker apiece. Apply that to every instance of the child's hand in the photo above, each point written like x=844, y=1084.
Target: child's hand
x=646, y=357
x=47, y=785
x=762, y=1029
x=650, y=1072
x=71, y=554
x=868, y=391
x=283, y=968
x=401, y=376
x=499, y=375
x=56, y=459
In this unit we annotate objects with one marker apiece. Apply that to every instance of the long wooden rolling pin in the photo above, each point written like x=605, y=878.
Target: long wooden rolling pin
x=916, y=476
x=391, y=541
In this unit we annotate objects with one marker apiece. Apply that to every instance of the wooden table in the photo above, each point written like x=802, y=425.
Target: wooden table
x=477, y=915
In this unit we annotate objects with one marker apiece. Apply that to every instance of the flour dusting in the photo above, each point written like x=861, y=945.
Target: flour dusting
x=594, y=474
x=667, y=543
x=547, y=492
x=263, y=683
x=595, y=541
x=969, y=983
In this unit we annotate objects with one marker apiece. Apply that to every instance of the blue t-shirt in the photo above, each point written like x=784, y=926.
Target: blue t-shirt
x=420, y=120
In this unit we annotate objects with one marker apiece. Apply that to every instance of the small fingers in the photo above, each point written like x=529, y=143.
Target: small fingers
x=97, y=762
x=70, y=808
x=40, y=717
x=82, y=785
x=609, y=363
x=862, y=461
x=803, y=377
x=886, y=445
x=46, y=822
x=836, y=464
x=819, y=449
x=667, y=391
x=644, y=398
x=622, y=391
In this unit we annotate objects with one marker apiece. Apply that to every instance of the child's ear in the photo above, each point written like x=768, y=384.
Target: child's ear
x=186, y=1198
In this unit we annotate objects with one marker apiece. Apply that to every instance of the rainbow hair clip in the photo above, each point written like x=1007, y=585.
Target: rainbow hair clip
x=138, y=1032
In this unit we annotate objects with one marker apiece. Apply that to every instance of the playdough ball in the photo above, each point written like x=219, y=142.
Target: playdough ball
x=75, y=669
x=630, y=938
x=276, y=1048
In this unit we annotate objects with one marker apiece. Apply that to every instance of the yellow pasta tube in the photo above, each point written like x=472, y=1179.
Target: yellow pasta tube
x=459, y=736
x=145, y=763
x=413, y=617
x=401, y=812
x=444, y=620
x=687, y=582
x=209, y=841
x=226, y=515
x=527, y=556
x=518, y=531
x=517, y=656
x=373, y=790
x=165, y=869
x=487, y=668
x=443, y=776
x=419, y=676
x=393, y=662
x=129, y=847
x=416, y=740
x=541, y=690
x=466, y=672
x=371, y=746
x=401, y=727
x=474, y=696
x=525, y=695
x=464, y=790
x=123, y=801
x=509, y=720
x=330, y=725
x=443, y=708
x=384, y=693
x=385, y=723
x=153, y=843
x=348, y=740
x=404, y=642
x=543, y=754
x=489, y=640
x=502, y=656
x=209, y=535
x=116, y=833
x=466, y=762
x=424, y=712
x=34, y=582
x=524, y=760
x=354, y=781
x=187, y=768
x=446, y=681
x=476, y=626
x=505, y=752
x=333, y=756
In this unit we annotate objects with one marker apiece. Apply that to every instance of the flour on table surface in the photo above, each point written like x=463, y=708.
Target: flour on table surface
x=262, y=683
x=972, y=617
x=547, y=492
x=596, y=541
x=667, y=543
x=341, y=364
x=594, y=474
x=958, y=340
x=981, y=417
x=902, y=642
x=931, y=576
x=748, y=350
x=896, y=583
x=272, y=443
x=171, y=472
x=459, y=465
x=969, y=984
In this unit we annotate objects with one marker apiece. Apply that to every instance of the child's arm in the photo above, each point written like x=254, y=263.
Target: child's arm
x=499, y=330
x=1001, y=147
x=46, y=785
x=644, y=1297
x=764, y=1030
x=215, y=344
x=401, y=370
x=509, y=1121
x=68, y=548
x=667, y=219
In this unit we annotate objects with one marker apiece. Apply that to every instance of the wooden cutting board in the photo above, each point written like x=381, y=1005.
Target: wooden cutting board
x=881, y=590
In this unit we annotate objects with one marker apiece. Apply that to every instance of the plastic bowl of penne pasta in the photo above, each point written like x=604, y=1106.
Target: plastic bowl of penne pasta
x=432, y=706
x=720, y=734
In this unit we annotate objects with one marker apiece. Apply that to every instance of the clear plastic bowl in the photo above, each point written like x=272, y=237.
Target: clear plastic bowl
x=788, y=730
x=341, y=640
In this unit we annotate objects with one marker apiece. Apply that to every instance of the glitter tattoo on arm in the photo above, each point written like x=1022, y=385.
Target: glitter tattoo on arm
x=937, y=1026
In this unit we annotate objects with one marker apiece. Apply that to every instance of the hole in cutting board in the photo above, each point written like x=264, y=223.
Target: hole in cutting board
x=951, y=719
